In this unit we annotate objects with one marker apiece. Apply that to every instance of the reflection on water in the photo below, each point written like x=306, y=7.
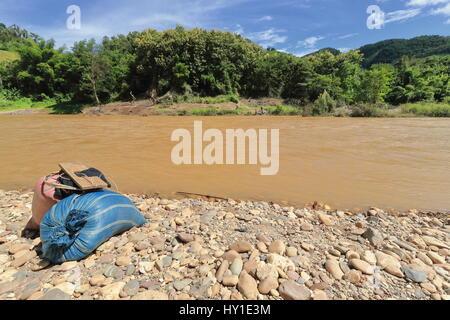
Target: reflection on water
x=401, y=163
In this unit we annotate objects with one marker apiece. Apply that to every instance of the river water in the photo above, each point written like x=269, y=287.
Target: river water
x=347, y=163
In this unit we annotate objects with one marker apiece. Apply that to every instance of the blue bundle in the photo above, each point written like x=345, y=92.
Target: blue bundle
x=78, y=224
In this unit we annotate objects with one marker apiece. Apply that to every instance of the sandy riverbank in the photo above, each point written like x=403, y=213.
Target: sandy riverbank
x=195, y=249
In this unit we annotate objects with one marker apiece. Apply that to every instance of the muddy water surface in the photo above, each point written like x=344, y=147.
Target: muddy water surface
x=399, y=163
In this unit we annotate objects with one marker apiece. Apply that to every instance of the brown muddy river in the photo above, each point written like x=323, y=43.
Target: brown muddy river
x=347, y=163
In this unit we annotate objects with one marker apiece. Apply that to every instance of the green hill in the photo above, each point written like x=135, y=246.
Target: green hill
x=330, y=50
x=8, y=56
x=389, y=51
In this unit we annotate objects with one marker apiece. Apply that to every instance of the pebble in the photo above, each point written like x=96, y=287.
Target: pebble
x=230, y=280
x=186, y=237
x=265, y=270
x=291, y=252
x=268, y=284
x=290, y=290
x=230, y=255
x=55, y=294
x=151, y=295
x=414, y=275
x=326, y=219
x=181, y=284
x=353, y=276
x=436, y=258
x=221, y=270
x=247, y=286
x=241, y=246
x=236, y=266
x=332, y=266
x=123, y=261
x=194, y=249
x=374, y=236
x=277, y=247
x=362, y=266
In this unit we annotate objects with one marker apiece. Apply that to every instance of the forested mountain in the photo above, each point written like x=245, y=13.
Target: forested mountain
x=389, y=51
x=330, y=50
x=198, y=62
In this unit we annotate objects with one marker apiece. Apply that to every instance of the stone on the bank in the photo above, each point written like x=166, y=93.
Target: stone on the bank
x=414, y=275
x=264, y=270
x=277, y=247
x=374, y=236
x=236, y=266
x=22, y=257
x=291, y=252
x=436, y=258
x=267, y=284
x=112, y=291
x=384, y=260
x=55, y=294
x=230, y=280
x=326, y=219
x=280, y=261
x=123, y=261
x=353, y=276
x=332, y=266
x=362, y=266
x=290, y=290
x=186, y=237
x=247, y=286
x=131, y=288
x=181, y=284
x=319, y=295
x=151, y=295
x=369, y=257
x=241, y=246
x=230, y=255
x=394, y=270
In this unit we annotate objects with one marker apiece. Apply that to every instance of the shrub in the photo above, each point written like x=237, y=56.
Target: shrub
x=323, y=105
x=427, y=109
x=368, y=110
x=282, y=110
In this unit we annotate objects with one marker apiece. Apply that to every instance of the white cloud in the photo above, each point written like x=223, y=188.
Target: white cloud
x=401, y=15
x=239, y=30
x=121, y=17
x=445, y=10
x=310, y=42
x=265, y=18
x=268, y=38
x=304, y=53
x=425, y=3
x=346, y=36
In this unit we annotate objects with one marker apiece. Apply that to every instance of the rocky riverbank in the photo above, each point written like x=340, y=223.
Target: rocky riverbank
x=196, y=249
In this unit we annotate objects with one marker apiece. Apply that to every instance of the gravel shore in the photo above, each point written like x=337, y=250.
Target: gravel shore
x=197, y=249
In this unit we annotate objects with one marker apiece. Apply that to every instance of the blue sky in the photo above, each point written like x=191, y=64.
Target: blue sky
x=295, y=26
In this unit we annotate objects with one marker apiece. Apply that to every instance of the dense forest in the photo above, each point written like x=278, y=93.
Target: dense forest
x=389, y=51
x=197, y=62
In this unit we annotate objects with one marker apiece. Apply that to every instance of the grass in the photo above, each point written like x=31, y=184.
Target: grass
x=212, y=100
x=50, y=104
x=8, y=56
x=366, y=110
x=215, y=111
x=427, y=109
x=23, y=103
x=282, y=110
